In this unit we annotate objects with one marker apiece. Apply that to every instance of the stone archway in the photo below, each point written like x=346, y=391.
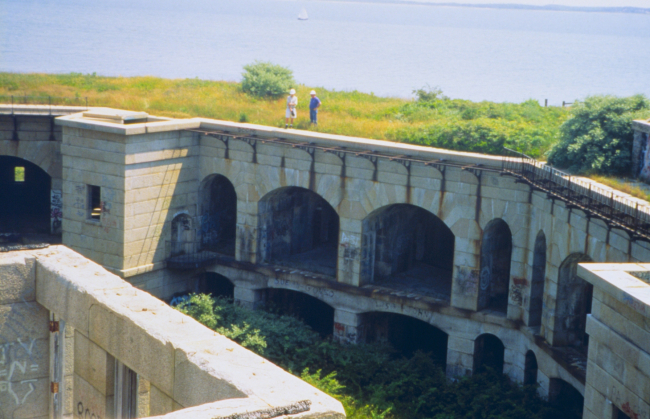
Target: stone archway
x=530, y=369
x=409, y=247
x=496, y=251
x=488, y=353
x=315, y=313
x=573, y=303
x=218, y=212
x=537, y=282
x=298, y=228
x=26, y=204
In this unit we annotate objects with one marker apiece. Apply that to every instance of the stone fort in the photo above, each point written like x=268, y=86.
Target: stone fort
x=482, y=260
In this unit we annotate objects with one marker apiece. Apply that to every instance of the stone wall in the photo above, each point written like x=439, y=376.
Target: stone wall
x=618, y=373
x=118, y=343
x=640, y=151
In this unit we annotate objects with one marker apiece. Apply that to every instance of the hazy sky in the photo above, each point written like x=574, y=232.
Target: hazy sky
x=577, y=3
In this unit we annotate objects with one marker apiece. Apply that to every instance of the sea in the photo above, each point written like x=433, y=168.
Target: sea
x=385, y=49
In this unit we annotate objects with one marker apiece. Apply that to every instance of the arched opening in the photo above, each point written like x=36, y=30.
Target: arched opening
x=182, y=235
x=573, y=303
x=496, y=250
x=406, y=335
x=488, y=353
x=565, y=397
x=530, y=369
x=218, y=211
x=298, y=228
x=537, y=283
x=216, y=285
x=315, y=313
x=408, y=247
x=24, y=198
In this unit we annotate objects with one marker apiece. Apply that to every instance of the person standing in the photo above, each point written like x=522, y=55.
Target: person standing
x=291, y=114
x=314, y=104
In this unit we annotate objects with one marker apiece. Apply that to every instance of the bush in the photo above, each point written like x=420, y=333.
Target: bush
x=370, y=380
x=597, y=138
x=265, y=79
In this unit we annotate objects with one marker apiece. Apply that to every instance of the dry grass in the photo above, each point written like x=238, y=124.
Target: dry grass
x=347, y=113
x=623, y=185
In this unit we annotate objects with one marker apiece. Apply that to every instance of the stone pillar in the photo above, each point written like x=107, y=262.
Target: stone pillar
x=249, y=298
x=460, y=357
x=350, y=252
x=638, y=155
x=348, y=326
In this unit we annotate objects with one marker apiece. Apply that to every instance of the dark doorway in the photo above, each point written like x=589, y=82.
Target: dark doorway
x=537, y=283
x=565, y=398
x=409, y=248
x=216, y=285
x=315, y=313
x=406, y=335
x=298, y=229
x=218, y=211
x=488, y=353
x=496, y=251
x=24, y=197
x=530, y=369
x=573, y=303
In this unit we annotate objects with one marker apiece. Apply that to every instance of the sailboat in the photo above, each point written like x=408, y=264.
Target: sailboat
x=303, y=14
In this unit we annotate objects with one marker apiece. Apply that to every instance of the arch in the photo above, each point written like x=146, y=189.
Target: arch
x=315, y=313
x=182, y=234
x=488, y=353
x=25, y=194
x=565, y=397
x=496, y=251
x=405, y=334
x=530, y=369
x=218, y=212
x=573, y=303
x=216, y=285
x=298, y=228
x=537, y=282
x=410, y=247
x=24, y=153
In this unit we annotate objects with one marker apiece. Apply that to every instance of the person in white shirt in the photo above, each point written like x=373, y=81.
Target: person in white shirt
x=292, y=102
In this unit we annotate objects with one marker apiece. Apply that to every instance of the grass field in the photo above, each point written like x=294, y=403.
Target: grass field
x=453, y=124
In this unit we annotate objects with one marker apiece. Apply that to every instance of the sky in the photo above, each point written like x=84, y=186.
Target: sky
x=576, y=3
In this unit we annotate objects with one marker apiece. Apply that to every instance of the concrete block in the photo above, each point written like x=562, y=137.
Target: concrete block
x=92, y=363
x=18, y=278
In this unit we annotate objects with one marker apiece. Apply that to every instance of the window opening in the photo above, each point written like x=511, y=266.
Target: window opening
x=94, y=196
x=19, y=174
x=126, y=392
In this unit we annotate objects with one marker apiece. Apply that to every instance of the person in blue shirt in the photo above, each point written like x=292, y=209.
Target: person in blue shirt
x=314, y=104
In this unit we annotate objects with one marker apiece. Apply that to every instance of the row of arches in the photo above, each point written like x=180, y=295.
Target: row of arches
x=402, y=245
x=404, y=333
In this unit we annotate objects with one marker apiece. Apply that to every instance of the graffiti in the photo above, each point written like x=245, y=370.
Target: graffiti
x=467, y=280
x=627, y=409
x=486, y=277
x=517, y=294
x=281, y=282
x=349, y=240
x=56, y=211
x=79, y=189
x=106, y=207
x=636, y=305
x=86, y=413
x=210, y=229
x=17, y=359
x=25, y=388
x=79, y=203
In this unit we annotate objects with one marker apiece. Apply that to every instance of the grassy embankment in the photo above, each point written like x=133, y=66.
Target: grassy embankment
x=456, y=124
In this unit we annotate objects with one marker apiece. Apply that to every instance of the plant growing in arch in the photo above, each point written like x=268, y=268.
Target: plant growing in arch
x=265, y=79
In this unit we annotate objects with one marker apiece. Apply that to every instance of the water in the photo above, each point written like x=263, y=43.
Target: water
x=388, y=49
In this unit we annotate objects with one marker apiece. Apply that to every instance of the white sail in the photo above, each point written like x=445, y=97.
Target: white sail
x=303, y=14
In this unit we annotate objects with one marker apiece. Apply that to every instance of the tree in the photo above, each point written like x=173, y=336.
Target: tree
x=598, y=136
x=265, y=79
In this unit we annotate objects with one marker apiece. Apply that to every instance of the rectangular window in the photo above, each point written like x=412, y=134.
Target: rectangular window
x=126, y=392
x=94, y=202
x=19, y=174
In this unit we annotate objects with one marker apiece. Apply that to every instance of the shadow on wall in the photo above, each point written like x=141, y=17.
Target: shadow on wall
x=408, y=247
x=496, y=251
x=406, y=334
x=298, y=228
x=315, y=313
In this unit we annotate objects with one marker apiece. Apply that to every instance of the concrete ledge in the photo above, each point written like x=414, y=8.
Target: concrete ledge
x=191, y=364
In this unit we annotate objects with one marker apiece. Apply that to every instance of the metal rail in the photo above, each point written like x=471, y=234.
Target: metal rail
x=593, y=199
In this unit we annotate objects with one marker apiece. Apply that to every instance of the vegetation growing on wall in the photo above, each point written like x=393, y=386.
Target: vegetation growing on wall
x=597, y=137
x=371, y=381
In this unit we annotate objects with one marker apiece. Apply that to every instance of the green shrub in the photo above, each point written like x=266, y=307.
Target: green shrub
x=597, y=138
x=371, y=380
x=266, y=79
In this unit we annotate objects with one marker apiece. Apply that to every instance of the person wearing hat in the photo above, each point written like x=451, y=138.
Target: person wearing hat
x=314, y=104
x=291, y=114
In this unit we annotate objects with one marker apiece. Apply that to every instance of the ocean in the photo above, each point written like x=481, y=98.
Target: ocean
x=387, y=49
